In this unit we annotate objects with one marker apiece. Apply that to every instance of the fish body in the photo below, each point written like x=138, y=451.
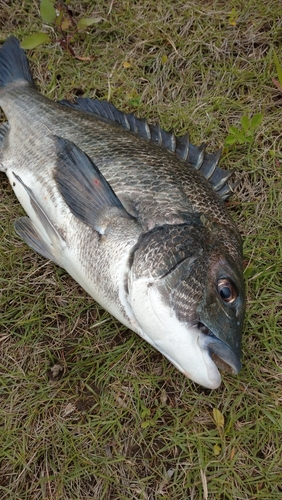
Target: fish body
x=135, y=224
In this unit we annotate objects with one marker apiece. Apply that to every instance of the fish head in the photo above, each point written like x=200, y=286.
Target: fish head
x=187, y=295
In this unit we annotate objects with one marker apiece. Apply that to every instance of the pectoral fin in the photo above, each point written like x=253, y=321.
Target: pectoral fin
x=85, y=190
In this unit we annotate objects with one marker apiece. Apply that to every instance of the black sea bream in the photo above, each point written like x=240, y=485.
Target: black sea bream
x=126, y=209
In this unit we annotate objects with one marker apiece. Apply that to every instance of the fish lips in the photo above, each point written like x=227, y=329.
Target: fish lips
x=222, y=355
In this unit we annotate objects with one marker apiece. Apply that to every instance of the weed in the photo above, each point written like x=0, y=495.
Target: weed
x=245, y=135
x=60, y=18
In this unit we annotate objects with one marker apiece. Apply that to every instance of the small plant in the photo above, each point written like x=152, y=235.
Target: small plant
x=219, y=421
x=149, y=418
x=233, y=17
x=244, y=135
x=58, y=15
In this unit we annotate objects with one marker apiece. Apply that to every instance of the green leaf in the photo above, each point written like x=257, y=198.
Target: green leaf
x=230, y=139
x=32, y=41
x=233, y=16
x=242, y=138
x=145, y=424
x=218, y=417
x=248, y=138
x=256, y=120
x=278, y=67
x=59, y=18
x=135, y=101
x=84, y=22
x=47, y=11
x=234, y=130
x=245, y=122
x=145, y=412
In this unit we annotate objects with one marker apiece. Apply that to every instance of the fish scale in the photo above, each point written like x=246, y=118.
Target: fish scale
x=133, y=213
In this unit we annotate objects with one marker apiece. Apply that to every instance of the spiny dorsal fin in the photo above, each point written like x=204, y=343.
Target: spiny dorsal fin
x=206, y=163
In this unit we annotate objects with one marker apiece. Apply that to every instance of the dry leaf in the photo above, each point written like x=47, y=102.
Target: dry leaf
x=277, y=84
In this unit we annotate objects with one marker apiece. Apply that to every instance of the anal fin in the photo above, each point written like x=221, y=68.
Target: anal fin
x=4, y=131
x=39, y=232
x=27, y=231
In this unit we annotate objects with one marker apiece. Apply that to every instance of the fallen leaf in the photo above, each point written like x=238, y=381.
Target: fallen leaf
x=217, y=449
x=66, y=23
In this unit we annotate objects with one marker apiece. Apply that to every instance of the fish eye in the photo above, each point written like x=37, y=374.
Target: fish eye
x=226, y=290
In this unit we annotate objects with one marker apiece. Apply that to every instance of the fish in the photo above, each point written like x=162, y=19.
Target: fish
x=135, y=214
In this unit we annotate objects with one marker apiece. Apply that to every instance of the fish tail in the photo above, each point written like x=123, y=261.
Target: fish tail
x=13, y=63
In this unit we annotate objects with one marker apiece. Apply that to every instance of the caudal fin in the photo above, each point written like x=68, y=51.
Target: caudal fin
x=13, y=63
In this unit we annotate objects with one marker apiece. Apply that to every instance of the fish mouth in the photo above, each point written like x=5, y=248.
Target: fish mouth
x=222, y=365
x=221, y=354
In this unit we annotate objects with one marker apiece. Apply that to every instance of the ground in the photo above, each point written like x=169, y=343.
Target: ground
x=89, y=410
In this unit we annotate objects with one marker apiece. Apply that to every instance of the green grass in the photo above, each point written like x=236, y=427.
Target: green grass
x=89, y=410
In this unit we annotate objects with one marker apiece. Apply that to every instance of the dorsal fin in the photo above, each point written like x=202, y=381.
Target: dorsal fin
x=206, y=163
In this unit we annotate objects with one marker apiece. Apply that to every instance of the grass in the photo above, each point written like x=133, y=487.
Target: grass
x=88, y=410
